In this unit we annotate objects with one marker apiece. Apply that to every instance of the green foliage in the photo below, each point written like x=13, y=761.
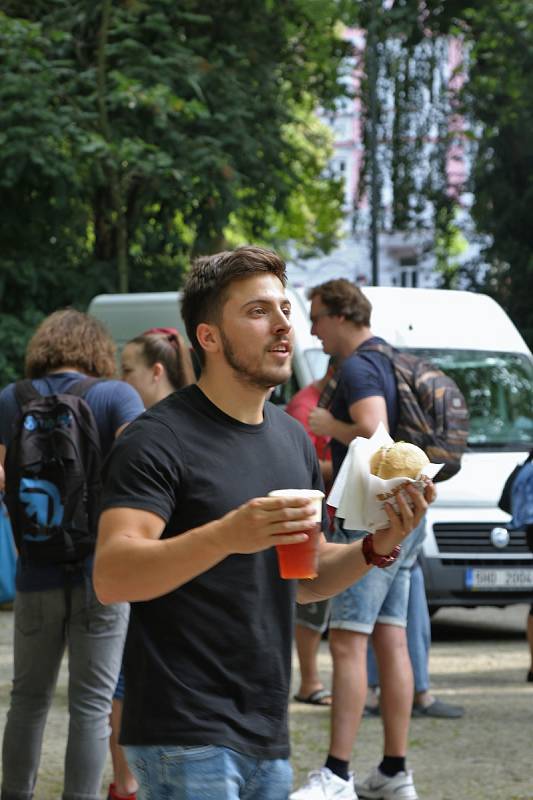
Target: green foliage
x=313, y=209
x=450, y=244
x=416, y=105
x=497, y=99
x=135, y=134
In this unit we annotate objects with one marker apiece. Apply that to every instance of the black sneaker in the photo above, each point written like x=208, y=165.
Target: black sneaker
x=438, y=709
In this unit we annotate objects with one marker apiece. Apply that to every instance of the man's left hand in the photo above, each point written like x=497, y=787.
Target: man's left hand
x=409, y=516
x=320, y=421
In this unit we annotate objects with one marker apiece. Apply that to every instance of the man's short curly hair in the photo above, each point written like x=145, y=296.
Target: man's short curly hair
x=344, y=299
x=70, y=338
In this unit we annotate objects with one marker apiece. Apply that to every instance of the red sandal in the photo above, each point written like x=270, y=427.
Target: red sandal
x=112, y=794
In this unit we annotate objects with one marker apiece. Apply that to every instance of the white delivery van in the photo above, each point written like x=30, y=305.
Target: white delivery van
x=470, y=556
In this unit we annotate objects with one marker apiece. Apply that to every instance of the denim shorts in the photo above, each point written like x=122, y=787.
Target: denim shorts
x=382, y=595
x=120, y=687
x=206, y=772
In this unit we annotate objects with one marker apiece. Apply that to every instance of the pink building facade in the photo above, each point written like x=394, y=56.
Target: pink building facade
x=405, y=259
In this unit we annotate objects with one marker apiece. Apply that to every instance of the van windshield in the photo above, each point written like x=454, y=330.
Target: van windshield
x=498, y=388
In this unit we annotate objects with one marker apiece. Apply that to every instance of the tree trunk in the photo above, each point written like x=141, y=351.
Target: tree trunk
x=117, y=195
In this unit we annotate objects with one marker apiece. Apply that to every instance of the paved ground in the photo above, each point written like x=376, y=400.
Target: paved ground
x=479, y=659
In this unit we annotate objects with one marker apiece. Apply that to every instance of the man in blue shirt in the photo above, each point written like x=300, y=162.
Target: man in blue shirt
x=376, y=605
x=54, y=611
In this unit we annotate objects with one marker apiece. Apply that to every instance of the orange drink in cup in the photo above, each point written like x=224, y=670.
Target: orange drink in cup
x=300, y=560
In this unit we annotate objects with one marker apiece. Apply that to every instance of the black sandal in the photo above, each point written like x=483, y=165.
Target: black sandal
x=316, y=698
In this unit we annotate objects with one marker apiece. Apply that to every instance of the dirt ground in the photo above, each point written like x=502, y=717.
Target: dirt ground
x=478, y=659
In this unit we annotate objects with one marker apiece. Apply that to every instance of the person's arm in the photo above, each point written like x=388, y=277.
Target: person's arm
x=326, y=470
x=132, y=563
x=340, y=565
x=366, y=414
x=120, y=404
x=121, y=429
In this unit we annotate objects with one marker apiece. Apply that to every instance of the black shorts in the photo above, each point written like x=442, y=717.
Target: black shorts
x=529, y=536
x=313, y=615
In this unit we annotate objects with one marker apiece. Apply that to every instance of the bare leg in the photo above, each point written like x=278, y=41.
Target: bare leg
x=396, y=681
x=348, y=651
x=307, y=644
x=124, y=780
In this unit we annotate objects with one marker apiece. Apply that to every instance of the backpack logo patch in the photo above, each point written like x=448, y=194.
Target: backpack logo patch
x=42, y=503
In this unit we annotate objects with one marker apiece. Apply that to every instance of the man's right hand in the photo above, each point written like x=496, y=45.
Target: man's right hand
x=262, y=523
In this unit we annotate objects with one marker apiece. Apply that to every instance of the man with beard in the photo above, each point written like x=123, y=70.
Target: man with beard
x=187, y=535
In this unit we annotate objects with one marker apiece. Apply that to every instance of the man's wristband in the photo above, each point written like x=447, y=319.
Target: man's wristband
x=377, y=560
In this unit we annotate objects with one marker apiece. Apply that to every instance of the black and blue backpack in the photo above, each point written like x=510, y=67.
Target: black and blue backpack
x=53, y=475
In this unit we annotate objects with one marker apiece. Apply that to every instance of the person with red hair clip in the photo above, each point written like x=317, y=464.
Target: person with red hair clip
x=156, y=363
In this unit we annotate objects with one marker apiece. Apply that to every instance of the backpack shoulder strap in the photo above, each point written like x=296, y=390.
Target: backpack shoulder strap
x=80, y=388
x=25, y=392
x=379, y=347
x=326, y=395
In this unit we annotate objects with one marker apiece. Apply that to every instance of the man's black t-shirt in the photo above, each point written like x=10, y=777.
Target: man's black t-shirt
x=209, y=663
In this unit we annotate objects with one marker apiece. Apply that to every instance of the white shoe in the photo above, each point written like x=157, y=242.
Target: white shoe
x=323, y=784
x=378, y=786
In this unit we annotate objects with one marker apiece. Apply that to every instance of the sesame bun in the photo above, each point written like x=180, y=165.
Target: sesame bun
x=401, y=460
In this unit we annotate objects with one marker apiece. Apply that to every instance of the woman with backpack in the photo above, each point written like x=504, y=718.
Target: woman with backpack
x=156, y=363
x=54, y=428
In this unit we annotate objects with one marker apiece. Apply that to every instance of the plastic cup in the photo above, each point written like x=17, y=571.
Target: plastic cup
x=300, y=560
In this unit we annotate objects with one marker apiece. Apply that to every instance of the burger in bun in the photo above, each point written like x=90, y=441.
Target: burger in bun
x=401, y=460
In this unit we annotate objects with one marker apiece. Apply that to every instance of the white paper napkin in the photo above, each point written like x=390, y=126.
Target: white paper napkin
x=359, y=496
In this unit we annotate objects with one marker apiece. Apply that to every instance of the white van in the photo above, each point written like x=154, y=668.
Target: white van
x=470, y=557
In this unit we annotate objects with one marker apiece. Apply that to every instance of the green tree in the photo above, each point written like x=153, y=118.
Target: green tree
x=497, y=41
x=312, y=212
x=497, y=99
x=136, y=134
x=413, y=137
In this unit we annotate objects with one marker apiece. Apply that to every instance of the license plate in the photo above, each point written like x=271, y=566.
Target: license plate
x=493, y=579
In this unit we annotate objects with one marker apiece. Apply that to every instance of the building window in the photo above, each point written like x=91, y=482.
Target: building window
x=409, y=277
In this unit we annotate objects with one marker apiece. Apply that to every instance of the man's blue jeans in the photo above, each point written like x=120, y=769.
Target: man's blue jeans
x=206, y=772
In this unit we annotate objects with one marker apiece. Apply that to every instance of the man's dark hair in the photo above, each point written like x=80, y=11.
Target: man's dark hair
x=343, y=298
x=205, y=290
